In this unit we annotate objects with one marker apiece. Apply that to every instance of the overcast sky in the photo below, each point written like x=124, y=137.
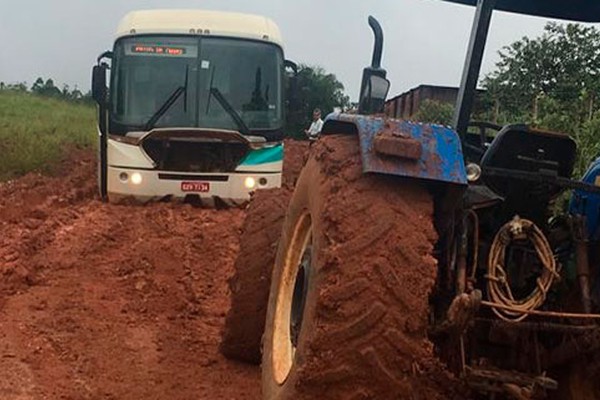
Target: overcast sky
x=425, y=40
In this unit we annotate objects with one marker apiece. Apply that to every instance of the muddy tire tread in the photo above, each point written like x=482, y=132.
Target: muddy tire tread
x=371, y=312
x=250, y=283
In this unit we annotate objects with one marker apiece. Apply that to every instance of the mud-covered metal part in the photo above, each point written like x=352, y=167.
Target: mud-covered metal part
x=573, y=348
x=461, y=313
x=541, y=326
x=398, y=146
x=541, y=313
x=507, y=382
x=580, y=340
x=441, y=156
x=461, y=263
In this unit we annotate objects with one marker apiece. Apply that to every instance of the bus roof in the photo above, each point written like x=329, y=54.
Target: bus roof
x=195, y=22
x=573, y=10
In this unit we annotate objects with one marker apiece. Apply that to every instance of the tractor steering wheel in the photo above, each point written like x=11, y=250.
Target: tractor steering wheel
x=483, y=127
x=474, y=147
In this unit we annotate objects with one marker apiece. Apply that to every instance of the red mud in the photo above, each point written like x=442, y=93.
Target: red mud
x=296, y=153
x=251, y=280
x=100, y=301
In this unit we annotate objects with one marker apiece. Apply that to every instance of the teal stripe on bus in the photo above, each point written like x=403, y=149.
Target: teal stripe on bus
x=264, y=156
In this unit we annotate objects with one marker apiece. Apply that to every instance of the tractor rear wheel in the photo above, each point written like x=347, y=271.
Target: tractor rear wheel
x=348, y=306
x=249, y=286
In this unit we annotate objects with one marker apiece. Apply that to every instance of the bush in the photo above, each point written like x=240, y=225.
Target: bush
x=435, y=112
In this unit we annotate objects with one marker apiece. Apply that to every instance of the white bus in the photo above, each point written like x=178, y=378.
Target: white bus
x=193, y=108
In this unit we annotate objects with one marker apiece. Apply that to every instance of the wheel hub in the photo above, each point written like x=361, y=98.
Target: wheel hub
x=299, y=296
x=291, y=299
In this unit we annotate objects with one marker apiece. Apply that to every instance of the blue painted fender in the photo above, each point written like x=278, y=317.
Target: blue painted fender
x=588, y=204
x=403, y=148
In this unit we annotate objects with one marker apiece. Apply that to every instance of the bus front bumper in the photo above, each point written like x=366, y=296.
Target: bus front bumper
x=233, y=189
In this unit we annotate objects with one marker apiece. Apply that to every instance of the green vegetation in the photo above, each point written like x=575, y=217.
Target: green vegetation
x=36, y=131
x=315, y=88
x=435, y=112
x=47, y=88
x=551, y=82
x=41, y=122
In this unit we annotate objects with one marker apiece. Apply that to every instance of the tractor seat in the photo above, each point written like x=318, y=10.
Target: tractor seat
x=522, y=159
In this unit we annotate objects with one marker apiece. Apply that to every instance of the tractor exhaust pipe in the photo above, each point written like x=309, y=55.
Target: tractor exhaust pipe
x=378, y=48
x=374, y=87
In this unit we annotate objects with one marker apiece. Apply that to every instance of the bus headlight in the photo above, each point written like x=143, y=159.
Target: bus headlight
x=136, y=178
x=250, y=182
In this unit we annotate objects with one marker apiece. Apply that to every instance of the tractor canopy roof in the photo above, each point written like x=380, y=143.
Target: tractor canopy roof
x=574, y=10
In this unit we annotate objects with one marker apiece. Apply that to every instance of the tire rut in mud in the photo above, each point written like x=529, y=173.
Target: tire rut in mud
x=250, y=283
x=107, y=301
x=245, y=321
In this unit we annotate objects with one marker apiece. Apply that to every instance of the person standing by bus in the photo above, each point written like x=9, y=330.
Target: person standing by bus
x=315, y=127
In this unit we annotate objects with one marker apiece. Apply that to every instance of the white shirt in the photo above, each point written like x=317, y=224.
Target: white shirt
x=315, y=128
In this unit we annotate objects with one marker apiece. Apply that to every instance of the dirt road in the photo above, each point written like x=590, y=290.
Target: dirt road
x=104, y=301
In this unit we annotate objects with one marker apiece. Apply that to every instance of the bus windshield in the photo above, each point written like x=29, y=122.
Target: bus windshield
x=246, y=76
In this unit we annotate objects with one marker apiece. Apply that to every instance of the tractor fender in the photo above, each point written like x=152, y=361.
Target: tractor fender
x=587, y=204
x=403, y=148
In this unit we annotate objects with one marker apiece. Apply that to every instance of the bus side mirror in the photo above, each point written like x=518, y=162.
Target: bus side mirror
x=99, y=89
x=291, y=69
x=99, y=83
x=291, y=65
x=292, y=109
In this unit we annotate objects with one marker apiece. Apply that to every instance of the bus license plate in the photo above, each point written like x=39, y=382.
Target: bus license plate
x=196, y=187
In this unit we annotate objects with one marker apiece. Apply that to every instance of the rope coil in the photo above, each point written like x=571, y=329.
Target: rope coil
x=498, y=282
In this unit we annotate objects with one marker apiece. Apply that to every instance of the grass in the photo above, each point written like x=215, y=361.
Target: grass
x=36, y=132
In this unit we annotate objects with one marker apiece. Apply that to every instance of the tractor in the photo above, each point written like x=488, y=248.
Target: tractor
x=419, y=261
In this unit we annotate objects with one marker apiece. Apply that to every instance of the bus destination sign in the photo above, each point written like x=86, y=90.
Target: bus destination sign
x=158, y=50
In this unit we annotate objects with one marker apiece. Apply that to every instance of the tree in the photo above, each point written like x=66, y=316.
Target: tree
x=552, y=82
x=315, y=88
x=561, y=66
x=15, y=87
x=45, y=88
x=38, y=85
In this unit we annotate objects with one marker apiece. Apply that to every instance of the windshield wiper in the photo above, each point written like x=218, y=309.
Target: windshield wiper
x=231, y=111
x=169, y=103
